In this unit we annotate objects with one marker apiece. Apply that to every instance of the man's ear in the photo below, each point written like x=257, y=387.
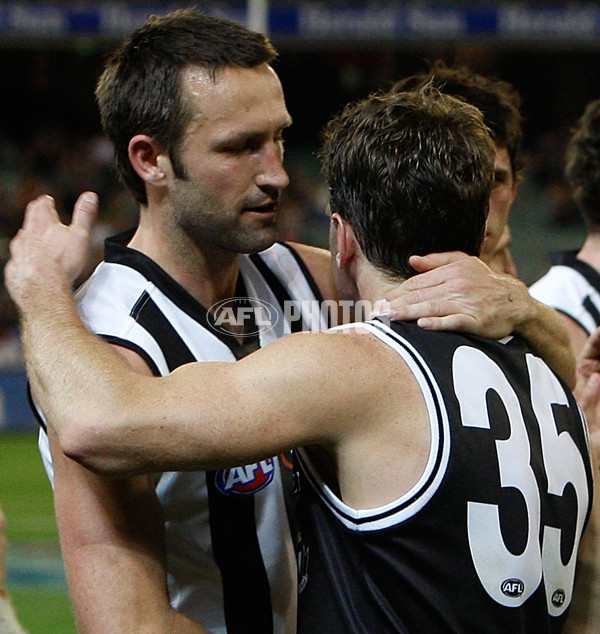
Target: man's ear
x=148, y=159
x=345, y=241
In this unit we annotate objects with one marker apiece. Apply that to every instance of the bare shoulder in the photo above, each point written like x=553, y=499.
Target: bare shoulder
x=333, y=358
x=335, y=376
x=361, y=400
x=318, y=262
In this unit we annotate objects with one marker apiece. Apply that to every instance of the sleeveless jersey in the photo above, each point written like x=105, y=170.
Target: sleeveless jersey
x=486, y=541
x=572, y=287
x=230, y=557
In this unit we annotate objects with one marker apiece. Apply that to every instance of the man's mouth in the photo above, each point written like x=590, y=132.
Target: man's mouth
x=262, y=209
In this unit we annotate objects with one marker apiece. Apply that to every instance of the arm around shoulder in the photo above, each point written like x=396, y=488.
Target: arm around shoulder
x=296, y=391
x=547, y=335
x=458, y=292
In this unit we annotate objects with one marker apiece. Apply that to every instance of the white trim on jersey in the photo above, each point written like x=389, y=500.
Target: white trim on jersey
x=419, y=495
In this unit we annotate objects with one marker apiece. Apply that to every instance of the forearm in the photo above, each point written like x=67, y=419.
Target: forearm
x=546, y=334
x=45, y=257
x=105, y=413
x=58, y=352
x=112, y=529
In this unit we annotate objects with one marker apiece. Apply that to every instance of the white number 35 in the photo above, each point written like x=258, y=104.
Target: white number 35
x=510, y=579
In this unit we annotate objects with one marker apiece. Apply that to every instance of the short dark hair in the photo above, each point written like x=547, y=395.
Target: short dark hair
x=582, y=168
x=139, y=91
x=412, y=173
x=499, y=102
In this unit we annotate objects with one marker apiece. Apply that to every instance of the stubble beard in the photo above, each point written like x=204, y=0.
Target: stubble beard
x=231, y=239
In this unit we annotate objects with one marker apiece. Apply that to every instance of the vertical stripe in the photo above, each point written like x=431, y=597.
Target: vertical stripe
x=236, y=550
x=307, y=274
x=592, y=310
x=296, y=325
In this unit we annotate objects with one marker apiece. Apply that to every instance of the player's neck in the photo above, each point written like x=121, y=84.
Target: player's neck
x=373, y=285
x=209, y=276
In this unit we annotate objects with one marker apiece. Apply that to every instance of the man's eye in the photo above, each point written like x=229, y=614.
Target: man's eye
x=237, y=148
x=250, y=145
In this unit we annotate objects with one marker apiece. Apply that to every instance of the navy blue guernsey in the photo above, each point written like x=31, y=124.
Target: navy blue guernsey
x=486, y=541
x=230, y=554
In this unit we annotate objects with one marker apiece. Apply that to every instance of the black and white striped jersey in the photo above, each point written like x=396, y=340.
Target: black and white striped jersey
x=572, y=287
x=230, y=557
x=486, y=541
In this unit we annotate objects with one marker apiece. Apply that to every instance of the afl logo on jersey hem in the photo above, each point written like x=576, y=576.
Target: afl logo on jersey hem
x=246, y=480
x=512, y=588
x=558, y=598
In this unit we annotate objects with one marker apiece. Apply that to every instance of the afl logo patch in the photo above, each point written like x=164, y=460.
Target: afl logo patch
x=558, y=598
x=512, y=588
x=246, y=480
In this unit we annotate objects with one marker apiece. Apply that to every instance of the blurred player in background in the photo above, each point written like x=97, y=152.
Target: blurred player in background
x=500, y=105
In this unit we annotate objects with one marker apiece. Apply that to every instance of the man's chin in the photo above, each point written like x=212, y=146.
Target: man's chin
x=261, y=240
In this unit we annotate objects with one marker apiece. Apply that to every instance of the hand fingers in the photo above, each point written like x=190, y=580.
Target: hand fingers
x=435, y=289
x=441, y=268
x=411, y=312
x=39, y=214
x=421, y=309
x=428, y=279
x=588, y=394
x=455, y=323
x=85, y=212
x=591, y=349
x=423, y=263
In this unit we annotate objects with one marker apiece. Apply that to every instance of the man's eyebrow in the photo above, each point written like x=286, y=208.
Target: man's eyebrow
x=245, y=135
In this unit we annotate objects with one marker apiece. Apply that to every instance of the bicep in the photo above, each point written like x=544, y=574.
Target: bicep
x=300, y=390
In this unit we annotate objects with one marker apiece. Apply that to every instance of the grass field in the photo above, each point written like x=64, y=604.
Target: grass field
x=35, y=575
